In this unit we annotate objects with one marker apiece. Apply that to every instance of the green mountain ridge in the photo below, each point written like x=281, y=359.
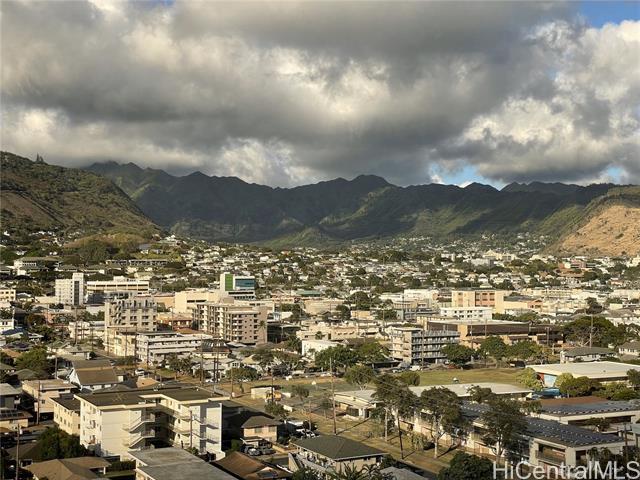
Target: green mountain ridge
x=367, y=207
x=38, y=196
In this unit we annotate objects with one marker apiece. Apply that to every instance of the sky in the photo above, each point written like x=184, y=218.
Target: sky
x=291, y=93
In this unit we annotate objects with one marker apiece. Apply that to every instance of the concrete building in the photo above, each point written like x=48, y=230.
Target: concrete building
x=312, y=346
x=70, y=291
x=173, y=463
x=7, y=295
x=417, y=346
x=134, y=314
x=185, y=302
x=467, y=313
x=239, y=287
x=231, y=321
x=476, y=297
x=66, y=413
x=83, y=330
x=44, y=391
x=338, y=331
x=114, y=423
x=154, y=347
x=97, y=290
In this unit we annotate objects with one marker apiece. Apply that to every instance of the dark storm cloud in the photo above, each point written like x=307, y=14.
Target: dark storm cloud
x=287, y=93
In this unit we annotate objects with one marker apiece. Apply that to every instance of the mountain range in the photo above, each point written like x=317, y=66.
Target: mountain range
x=114, y=195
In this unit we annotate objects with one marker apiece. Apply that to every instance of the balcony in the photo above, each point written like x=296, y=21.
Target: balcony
x=133, y=440
x=553, y=458
x=145, y=419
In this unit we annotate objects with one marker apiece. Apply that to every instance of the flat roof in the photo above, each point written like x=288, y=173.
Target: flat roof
x=552, y=431
x=171, y=463
x=586, y=408
x=587, y=369
x=140, y=395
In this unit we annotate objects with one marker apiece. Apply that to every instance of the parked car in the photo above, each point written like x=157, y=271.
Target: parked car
x=140, y=372
x=249, y=450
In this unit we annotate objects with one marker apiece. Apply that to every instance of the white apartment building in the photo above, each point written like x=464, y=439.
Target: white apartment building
x=417, y=346
x=467, y=313
x=70, y=291
x=340, y=331
x=154, y=347
x=130, y=315
x=114, y=423
x=238, y=321
x=7, y=324
x=84, y=330
x=118, y=285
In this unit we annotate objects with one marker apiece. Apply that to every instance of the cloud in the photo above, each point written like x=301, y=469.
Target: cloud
x=287, y=93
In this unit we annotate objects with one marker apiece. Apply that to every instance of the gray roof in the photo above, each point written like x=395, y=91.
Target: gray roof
x=568, y=435
x=587, y=408
x=191, y=470
x=580, y=351
x=260, y=421
x=337, y=447
x=395, y=473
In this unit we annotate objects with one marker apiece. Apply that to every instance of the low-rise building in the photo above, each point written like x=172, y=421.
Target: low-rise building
x=467, y=313
x=605, y=372
x=44, y=391
x=416, y=345
x=154, y=347
x=66, y=413
x=91, y=375
x=171, y=463
x=332, y=453
x=585, y=354
x=115, y=422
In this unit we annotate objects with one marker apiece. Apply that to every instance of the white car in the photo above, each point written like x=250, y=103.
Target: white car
x=139, y=372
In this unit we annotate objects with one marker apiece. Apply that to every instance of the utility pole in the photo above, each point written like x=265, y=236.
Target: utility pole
x=38, y=412
x=333, y=397
x=18, y=454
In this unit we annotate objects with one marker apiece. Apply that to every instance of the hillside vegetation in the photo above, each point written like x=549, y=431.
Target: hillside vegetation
x=37, y=196
x=367, y=207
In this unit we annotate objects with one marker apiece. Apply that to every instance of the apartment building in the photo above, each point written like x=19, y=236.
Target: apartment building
x=473, y=297
x=154, y=347
x=467, y=313
x=233, y=321
x=7, y=295
x=66, y=413
x=97, y=290
x=133, y=314
x=113, y=423
x=518, y=304
x=70, y=291
x=340, y=331
x=417, y=346
x=83, y=330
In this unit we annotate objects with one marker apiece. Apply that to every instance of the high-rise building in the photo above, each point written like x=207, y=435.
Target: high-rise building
x=70, y=291
x=128, y=316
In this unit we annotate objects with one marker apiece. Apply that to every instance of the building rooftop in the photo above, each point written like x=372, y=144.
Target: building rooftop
x=587, y=369
x=141, y=395
x=68, y=468
x=580, y=351
x=261, y=421
x=248, y=468
x=552, y=431
x=337, y=447
x=171, y=463
x=585, y=408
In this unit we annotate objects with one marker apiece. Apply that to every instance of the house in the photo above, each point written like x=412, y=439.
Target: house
x=92, y=375
x=79, y=468
x=171, y=463
x=9, y=396
x=332, y=453
x=630, y=348
x=260, y=427
x=247, y=468
x=585, y=354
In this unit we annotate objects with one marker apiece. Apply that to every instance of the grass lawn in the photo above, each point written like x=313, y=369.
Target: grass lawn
x=443, y=377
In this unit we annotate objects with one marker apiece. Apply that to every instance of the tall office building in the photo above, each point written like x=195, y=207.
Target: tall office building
x=240, y=287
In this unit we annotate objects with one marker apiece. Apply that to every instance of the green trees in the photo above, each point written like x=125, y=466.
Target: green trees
x=634, y=378
x=493, y=347
x=410, y=378
x=55, y=443
x=576, y=386
x=36, y=360
x=596, y=331
x=241, y=375
x=338, y=357
x=525, y=350
x=302, y=392
x=276, y=410
x=397, y=398
x=372, y=352
x=458, y=354
x=465, y=466
x=443, y=411
x=502, y=421
x=359, y=375
x=529, y=378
